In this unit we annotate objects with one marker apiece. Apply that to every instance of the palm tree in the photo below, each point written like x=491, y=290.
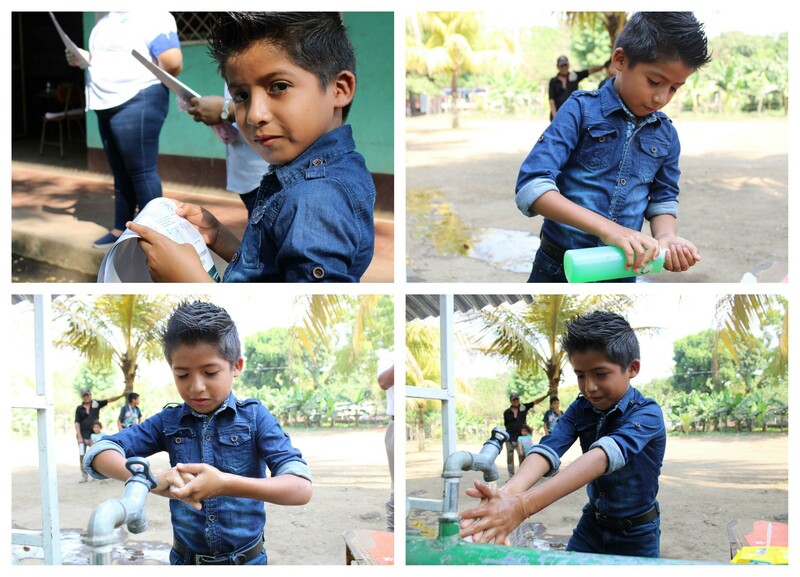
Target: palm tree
x=612, y=22
x=447, y=42
x=739, y=315
x=530, y=338
x=115, y=330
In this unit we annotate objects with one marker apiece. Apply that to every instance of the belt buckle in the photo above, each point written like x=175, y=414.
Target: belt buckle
x=209, y=560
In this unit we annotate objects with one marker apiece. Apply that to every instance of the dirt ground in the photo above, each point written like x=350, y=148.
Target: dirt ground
x=733, y=201
x=706, y=482
x=351, y=487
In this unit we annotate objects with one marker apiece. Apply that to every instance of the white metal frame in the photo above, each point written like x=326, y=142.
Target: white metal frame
x=446, y=394
x=49, y=537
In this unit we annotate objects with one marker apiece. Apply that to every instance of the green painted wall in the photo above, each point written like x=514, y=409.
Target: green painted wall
x=372, y=113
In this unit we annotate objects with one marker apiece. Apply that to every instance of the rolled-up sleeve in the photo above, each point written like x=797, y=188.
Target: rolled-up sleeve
x=664, y=188
x=96, y=449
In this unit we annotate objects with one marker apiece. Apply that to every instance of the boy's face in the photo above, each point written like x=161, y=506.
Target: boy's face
x=602, y=382
x=96, y=428
x=203, y=378
x=280, y=107
x=648, y=86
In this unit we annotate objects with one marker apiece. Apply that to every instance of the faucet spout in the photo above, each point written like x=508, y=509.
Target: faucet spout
x=460, y=461
x=113, y=513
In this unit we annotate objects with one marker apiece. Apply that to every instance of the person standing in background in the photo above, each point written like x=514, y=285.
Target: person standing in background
x=131, y=104
x=85, y=416
x=386, y=382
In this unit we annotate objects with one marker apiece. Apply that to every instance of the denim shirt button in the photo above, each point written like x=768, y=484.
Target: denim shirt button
x=208, y=437
x=211, y=517
x=316, y=161
x=318, y=272
x=541, y=138
x=601, y=139
x=654, y=149
x=623, y=182
x=178, y=441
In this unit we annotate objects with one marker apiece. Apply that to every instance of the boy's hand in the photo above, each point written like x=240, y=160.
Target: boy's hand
x=681, y=254
x=495, y=518
x=167, y=260
x=208, y=482
x=206, y=223
x=172, y=478
x=639, y=248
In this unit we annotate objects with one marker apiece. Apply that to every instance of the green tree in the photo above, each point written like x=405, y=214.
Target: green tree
x=267, y=359
x=529, y=337
x=115, y=330
x=448, y=42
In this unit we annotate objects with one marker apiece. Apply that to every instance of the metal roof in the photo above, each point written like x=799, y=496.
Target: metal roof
x=424, y=306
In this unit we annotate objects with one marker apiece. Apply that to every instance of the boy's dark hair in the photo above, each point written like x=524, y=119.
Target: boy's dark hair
x=554, y=400
x=98, y=423
x=652, y=36
x=202, y=322
x=132, y=397
x=605, y=332
x=315, y=41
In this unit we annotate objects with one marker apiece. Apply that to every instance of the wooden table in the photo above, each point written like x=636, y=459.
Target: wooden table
x=364, y=547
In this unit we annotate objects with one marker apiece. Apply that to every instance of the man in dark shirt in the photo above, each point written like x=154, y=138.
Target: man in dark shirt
x=565, y=83
x=513, y=418
x=85, y=415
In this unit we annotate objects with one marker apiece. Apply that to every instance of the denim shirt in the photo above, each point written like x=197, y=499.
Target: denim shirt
x=241, y=437
x=600, y=156
x=633, y=436
x=313, y=218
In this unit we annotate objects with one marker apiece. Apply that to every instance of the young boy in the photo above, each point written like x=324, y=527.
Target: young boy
x=292, y=79
x=130, y=414
x=622, y=436
x=609, y=159
x=552, y=415
x=97, y=431
x=218, y=447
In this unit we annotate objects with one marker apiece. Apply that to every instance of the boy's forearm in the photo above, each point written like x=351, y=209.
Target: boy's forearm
x=281, y=490
x=533, y=468
x=111, y=464
x=555, y=206
x=226, y=243
x=663, y=226
x=580, y=472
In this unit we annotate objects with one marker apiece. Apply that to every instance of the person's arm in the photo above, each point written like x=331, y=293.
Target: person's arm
x=639, y=248
x=598, y=68
x=504, y=510
x=78, y=435
x=535, y=402
x=386, y=378
x=119, y=423
x=117, y=398
x=171, y=61
x=208, y=109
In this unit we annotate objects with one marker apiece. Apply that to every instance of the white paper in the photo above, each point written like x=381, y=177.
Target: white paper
x=69, y=44
x=126, y=262
x=178, y=87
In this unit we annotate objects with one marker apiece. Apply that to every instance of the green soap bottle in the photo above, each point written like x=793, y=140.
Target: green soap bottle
x=604, y=263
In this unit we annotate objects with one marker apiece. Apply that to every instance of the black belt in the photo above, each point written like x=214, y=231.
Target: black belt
x=239, y=558
x=551, y=249
x=629, y=523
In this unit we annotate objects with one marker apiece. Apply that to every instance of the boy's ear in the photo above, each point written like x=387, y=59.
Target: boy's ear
x=633, y=368
x=344, y=87
x=238, y=366
x=619, y=59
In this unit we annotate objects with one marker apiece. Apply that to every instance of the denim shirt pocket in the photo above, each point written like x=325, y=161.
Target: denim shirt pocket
x=182, y=445
x=596, y=147
x=236, y=450
x=653, y=153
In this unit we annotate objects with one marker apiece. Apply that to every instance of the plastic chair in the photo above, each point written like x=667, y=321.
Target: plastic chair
x=72, y=98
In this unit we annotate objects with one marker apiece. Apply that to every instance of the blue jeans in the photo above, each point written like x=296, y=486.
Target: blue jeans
x=130, y=134
x=641, y=541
